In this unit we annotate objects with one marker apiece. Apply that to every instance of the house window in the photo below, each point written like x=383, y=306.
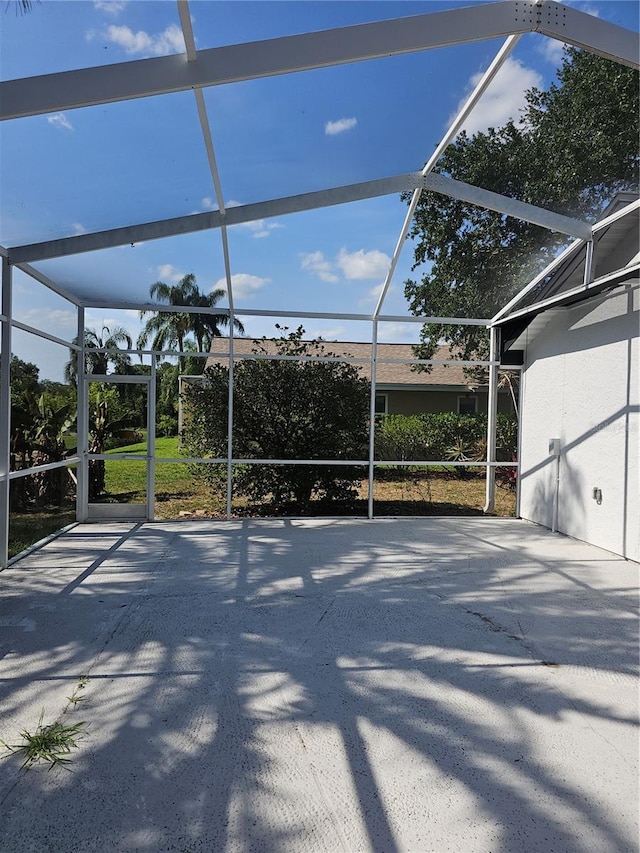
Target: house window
x=382, y=404
x=467, y=405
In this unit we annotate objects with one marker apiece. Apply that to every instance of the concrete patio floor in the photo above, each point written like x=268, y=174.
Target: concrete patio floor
x=323, y=685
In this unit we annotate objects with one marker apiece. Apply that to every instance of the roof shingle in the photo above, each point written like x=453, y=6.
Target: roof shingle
x=396, y=372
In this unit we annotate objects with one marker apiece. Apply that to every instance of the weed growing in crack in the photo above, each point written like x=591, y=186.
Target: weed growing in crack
x=52, y=743
x=75, y=697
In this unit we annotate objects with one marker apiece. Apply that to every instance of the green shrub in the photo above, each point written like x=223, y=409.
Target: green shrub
x=166, y=426
x=283, y=409
x=443, y=436
x=401, y=437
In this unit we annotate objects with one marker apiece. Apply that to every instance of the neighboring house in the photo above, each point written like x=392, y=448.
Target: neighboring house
x=399, y=388
x=579, y=348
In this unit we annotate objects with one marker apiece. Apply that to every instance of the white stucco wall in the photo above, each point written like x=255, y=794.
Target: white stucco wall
x=581, y=384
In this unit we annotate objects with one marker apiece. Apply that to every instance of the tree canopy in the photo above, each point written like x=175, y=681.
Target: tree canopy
x=576, y=146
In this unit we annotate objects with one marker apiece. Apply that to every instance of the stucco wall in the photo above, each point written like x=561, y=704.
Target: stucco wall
x=581, y=385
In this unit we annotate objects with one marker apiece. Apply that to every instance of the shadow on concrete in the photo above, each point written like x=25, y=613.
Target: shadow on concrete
x=267, y=686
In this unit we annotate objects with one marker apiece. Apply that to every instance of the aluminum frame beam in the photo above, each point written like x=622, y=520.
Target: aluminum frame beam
x=492, y=420
x=111, y=238
x=619, y=214
x=265, y=312
x=588, y=32
x=508, y=206
x=23, y=327
x=254, y=60
x=210, y=220
x=455, y=126
x=612, y=279
x=82, y=442
x=5, y=409
x=555, y=263
x=271, y=57
x=504, y=314
x=296, y=204
x=205, y=126
x=43, y=279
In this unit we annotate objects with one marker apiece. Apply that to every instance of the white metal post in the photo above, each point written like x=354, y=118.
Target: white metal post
x=5, y=413
x=180, y=414
x=230, y=422
x=556, y=494
x=151, y=442
x=519, y=439
x=82, y=426
x=492, y=416
x=372, y=415
x=588, y=263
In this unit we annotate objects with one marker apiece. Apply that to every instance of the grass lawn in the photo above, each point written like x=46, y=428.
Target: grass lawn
x=396, y=492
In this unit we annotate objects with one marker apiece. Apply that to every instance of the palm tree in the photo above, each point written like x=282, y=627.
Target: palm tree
x=22, y=6
x=98, y=362
x=206, y=327
x=166, y=329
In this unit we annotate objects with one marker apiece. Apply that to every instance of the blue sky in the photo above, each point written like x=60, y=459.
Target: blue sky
x=118, y=164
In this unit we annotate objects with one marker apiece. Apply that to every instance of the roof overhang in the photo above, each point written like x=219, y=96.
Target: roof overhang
x=567, y=280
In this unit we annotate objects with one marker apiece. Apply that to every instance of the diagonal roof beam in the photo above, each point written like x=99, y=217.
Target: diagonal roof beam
x=216, y=66
x=52, y=285
x=588, y=32
x=213, y=219
x=296, y=204
x=628, y=274
x=566, y=253
x=508, y=206
x=205, y=126
x=455, y=126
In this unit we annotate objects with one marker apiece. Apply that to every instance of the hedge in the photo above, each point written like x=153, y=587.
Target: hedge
x=442, y=436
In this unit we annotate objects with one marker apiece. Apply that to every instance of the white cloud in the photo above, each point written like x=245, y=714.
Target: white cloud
x=327, y=334
x=504, y=99
x=170, y=40
x=168, y=273
x=78, y=228
x=259, y=227
x=315, y=262
x=363, y=265
x=373, y=294
x=60, y=120
x=332, y=128
x=243, y=284
x=111, y=7
x=552, y=50
x=587, y=8
x=358, y=265
x=209, y=203
x=399, y=332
